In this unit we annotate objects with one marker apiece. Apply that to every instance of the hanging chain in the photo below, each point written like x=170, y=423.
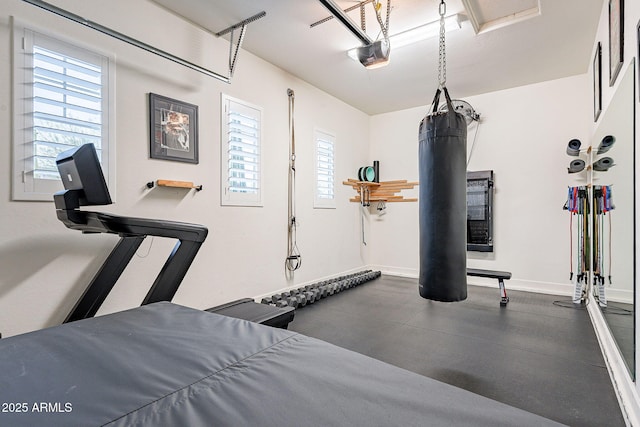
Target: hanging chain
x=442, y=57
x=384, y=26
x=363, y=20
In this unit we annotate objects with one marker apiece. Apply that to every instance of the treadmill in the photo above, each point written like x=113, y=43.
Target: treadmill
x=85, y=185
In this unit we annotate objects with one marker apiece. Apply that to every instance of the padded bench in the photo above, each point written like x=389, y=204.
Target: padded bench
x=248, y=309
x=492, y=274
x=167, y=365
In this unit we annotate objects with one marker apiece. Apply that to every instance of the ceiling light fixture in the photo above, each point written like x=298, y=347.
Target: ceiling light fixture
x=376, y=55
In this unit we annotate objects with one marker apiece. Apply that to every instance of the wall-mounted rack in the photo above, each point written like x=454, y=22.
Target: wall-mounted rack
x=384, y=191
x=174, y=184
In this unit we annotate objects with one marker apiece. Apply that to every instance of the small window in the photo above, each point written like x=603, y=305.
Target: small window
x=241, y=153
x=61, y=101
x=325, y=170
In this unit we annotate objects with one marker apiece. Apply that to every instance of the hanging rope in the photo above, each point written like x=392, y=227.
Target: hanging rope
x=294, y=259
x=442, y=57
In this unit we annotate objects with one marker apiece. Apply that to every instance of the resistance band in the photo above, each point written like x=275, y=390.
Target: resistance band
x=294, y=259
x=578, y=204
x=591, y=237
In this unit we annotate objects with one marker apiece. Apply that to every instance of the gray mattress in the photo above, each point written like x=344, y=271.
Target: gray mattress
x=168, y=365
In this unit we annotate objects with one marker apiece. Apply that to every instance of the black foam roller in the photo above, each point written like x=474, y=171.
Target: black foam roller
x=603, y=164
x=442, y=203
x=573, y=148
x=576, y=165
x=606, y=143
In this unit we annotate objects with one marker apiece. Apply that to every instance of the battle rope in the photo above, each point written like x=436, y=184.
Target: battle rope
x=294, y=259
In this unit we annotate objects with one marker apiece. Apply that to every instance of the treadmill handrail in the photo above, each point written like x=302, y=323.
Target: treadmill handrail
x=101, y=222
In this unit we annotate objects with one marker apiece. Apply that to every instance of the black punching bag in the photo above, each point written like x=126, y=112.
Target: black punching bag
x=442, y=155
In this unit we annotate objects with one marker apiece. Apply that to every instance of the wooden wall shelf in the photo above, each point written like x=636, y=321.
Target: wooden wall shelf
x=384, y=191
x=174, y=184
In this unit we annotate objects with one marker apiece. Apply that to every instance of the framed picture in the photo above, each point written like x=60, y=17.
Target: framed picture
x=173, y=129
x=616, y=38
x=597, y=82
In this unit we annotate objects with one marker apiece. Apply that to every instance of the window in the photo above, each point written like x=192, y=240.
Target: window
x=61, y=101
x=241, y=153
x=325, y=170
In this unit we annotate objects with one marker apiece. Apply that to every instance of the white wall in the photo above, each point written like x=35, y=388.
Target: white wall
x=45, y=267
x=522, y=137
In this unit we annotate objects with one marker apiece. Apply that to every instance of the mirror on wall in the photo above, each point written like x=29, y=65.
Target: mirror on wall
x=617, y=228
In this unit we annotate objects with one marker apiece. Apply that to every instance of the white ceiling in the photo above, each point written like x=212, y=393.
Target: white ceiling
x=515, y=45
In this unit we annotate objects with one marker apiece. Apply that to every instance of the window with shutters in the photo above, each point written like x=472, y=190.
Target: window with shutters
x=61, y=101
x=241, y=155
x=325, y=170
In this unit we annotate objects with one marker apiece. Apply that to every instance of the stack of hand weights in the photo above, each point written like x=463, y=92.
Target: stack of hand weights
x=309, y=294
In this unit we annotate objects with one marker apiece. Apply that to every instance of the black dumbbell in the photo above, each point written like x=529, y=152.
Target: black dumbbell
x=302, y=299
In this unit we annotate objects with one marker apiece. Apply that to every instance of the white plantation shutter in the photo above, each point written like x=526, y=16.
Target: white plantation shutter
x=67, y=98
x=241, y=153
x=325, y=170
x=63, y=97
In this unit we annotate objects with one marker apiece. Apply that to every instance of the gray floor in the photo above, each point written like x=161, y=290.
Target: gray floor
x=532, y=354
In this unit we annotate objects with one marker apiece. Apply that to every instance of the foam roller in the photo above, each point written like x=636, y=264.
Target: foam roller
x=606, y=143
x=576, y=166
x=573, y=148
x=603, y=164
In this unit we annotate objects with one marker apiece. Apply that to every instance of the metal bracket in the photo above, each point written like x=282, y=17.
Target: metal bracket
x=342, y=17
x=233, y=53
x=166, y=55
x=349, y=9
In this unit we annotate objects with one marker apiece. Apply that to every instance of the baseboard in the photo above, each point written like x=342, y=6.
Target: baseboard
x=617, y=295
x=623, y=385
x=411, y=273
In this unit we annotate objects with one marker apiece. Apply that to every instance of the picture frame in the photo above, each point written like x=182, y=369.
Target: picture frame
x=638, y=55
x=173, y=129
x=597, y=82
x=616, y=38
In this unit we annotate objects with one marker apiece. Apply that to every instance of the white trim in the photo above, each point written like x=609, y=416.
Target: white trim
x=623, y=384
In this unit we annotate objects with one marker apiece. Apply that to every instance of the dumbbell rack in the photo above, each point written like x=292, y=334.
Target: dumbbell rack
x=308, y=294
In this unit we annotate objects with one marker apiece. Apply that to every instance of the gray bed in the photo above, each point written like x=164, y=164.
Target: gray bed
x=167, y=365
